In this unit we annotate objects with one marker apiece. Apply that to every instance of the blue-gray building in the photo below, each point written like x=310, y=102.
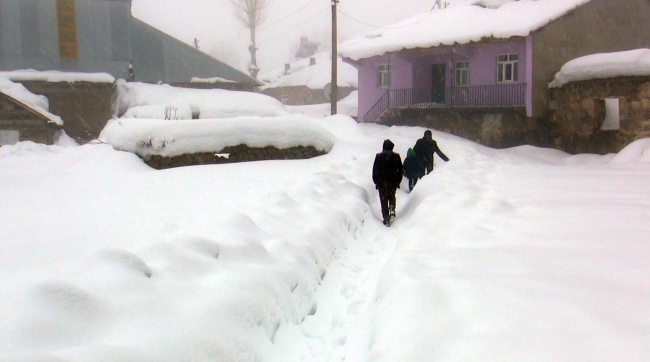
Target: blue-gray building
x=100, y=36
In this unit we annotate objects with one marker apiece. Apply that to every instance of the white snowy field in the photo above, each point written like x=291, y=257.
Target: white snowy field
x=522, y=254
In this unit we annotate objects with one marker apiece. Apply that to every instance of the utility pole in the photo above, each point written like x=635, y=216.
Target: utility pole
x=196, y=43
x=335, y=58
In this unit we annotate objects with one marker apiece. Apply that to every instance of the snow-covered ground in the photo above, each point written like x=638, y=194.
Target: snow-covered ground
x=522, y=254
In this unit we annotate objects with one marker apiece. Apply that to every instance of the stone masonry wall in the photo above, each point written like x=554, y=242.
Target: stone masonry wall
x=577, y=112
x=240, y=153
x=85, y=107
x=492, y=127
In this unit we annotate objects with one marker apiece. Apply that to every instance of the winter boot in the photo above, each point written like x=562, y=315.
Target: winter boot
x=391, y=212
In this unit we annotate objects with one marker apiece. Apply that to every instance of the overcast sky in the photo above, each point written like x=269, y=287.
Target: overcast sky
x=213, y=23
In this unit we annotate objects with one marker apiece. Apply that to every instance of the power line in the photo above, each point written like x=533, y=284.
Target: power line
x=358, y=21
x=270, y=25
x=294, y=28
x=379, y=27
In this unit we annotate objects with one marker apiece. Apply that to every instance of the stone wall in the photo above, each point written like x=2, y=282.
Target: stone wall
x=577, y=112
x=301, y=95
x=492, y=127
x=85, y=107
x=31, y=127
x=233, y=154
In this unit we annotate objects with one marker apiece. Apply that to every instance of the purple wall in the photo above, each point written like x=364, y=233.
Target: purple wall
x=413, y=70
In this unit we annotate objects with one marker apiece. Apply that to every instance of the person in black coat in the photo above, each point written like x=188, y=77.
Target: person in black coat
x=387, y=175
x=413, y=168
x=425, y=147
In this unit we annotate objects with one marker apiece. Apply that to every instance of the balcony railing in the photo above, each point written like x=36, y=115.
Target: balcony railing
x=508, y=95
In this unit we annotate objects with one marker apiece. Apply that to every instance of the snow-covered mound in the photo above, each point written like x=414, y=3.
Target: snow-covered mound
x=147, y=137
x=38, y=103
x=460, y=23
x=636, y=152
x=347, y=106
x=312, y=76
x=141, y=100
x=606, y=65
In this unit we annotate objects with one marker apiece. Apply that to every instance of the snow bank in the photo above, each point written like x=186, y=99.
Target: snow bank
x=56, y=76
x=636, y=152
x=347, y=106
x=147, y=137
x=313, y=77
x=460, y=24
x=150, y=101
x=605, y=65
x=38, y=103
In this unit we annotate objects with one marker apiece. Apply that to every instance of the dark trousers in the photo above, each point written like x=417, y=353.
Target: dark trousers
x=429, y=166
x=387, y=200
x=412, y=182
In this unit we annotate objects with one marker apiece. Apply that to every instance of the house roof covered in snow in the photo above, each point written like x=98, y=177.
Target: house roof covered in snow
x=605, y=65
x=316, y=76
x=33, y=102
x=461, y=23
x=27, y=75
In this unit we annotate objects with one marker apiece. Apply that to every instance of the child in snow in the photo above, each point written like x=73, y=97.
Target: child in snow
x=413, y=168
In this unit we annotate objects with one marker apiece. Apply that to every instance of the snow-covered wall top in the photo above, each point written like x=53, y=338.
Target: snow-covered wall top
x=313, y=77
x=142, y=100
x=605, y=65
x=147, y=137
x=56, y=76
x=38, y=103
x=460, y=23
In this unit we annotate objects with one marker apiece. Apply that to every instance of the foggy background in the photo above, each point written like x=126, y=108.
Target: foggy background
x=219, y=33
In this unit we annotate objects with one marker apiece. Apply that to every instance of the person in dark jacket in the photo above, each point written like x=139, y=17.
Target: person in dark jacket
x=425, y=147
x=387, y=175
x=413, y=168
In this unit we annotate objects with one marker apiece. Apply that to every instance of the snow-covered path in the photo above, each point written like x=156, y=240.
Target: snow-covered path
x=504, y=255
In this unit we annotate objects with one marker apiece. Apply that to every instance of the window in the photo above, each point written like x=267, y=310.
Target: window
x=612, y=115
x=9, y=137
x=462, y=74
x=507, y=68
x=285, y=99
x=383, y=76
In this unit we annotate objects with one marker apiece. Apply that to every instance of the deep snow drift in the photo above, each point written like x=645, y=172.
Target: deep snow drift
x=522, y=254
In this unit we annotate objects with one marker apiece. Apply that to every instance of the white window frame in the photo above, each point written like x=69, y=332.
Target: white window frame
x=508, y=68
x=612, y=121
x=9, y=137
x=462, y=73
x=383, y=76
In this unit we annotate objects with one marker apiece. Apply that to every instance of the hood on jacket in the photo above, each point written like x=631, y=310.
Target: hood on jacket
x=388, y=145
x=410, y=153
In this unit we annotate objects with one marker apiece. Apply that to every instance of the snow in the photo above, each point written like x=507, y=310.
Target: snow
x=521, y=254
x=141, y=100
x=460, y=23
x=147, y=137
x=55, y=76
x=211, y=80
x=313, y=77
x=38, y=103
x=347, y=106
x=606, y=65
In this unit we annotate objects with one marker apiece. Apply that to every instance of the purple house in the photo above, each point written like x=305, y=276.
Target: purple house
x=480, y=68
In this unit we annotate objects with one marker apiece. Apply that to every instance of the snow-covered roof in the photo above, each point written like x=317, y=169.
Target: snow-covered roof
x=211, y=80
x=56, y=76
x=147, y=137
x=142, y=100
x=461, y=23
x=35, y=102
x=313, y=77
x=606, y=65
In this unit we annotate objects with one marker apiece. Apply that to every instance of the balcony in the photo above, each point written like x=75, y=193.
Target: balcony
x=509, y=95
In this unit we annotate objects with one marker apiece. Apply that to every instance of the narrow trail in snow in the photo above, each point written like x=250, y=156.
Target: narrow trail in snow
x=339, y=331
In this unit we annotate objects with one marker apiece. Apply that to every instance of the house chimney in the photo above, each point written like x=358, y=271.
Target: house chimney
x=287, y=66
x=312, y=61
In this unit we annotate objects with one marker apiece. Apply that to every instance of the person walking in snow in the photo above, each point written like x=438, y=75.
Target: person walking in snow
x=387, y=175
x=425, y=148
x=413, y=168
